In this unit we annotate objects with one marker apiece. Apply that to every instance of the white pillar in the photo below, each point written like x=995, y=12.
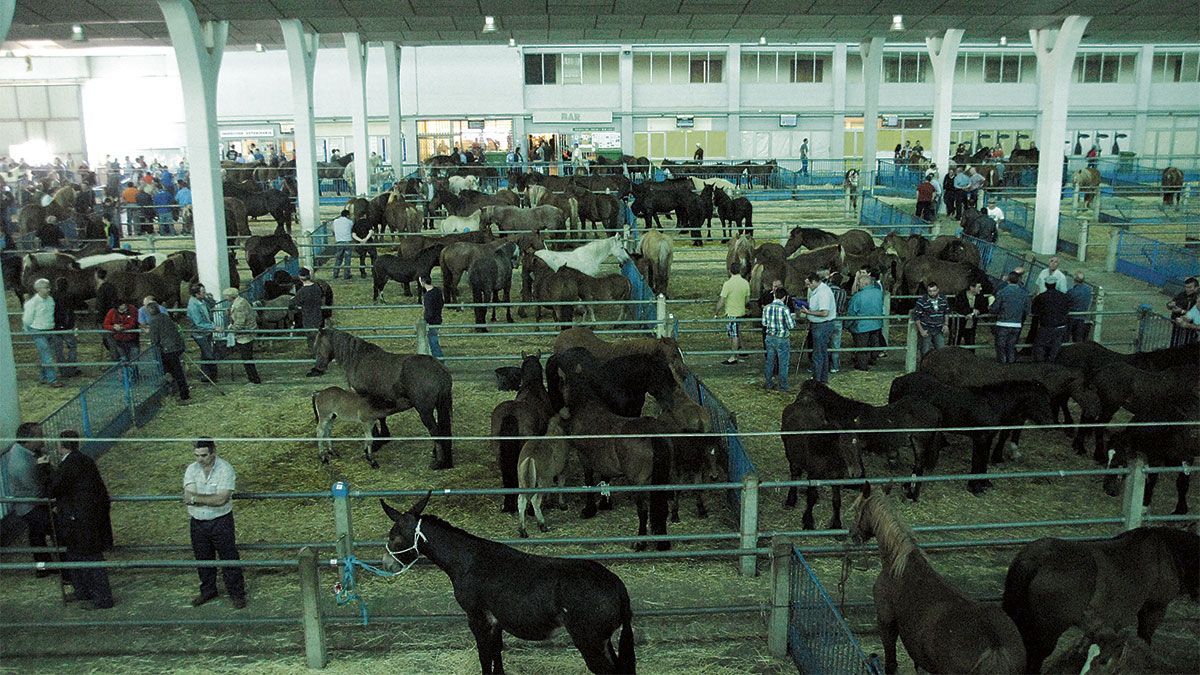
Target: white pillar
x=1145, y=75
x=198, y=51
x=837, y=121
x=943, y=53
x=733, y=95
x=872, y=64
x=518, y=134
x=1055, y=51
x=356, y=59
x=302, y=57
x=391, y=57
x=625, y=73
x=10, y=404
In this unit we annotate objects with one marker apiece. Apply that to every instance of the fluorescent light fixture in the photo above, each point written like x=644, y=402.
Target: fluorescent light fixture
x=1003, y=40
x=489, y=24
x=897, y=22
x=77, y=33
x=762, y=40
x=258, y=47
x=512, y=42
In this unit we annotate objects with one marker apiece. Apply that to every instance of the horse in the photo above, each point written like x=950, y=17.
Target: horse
x=530, y=596
x=460, y=224
x=525, y=415
x=657, y=248
x=237, y=222
x=737, y=212
x=515, y=219
x=1141, y=392
x=1172, y=185
x=336, y=403
x=459, y=183
x=951, y=277
x=944, y=630
x=274, y=202
x=409, y=247
x=541, y=464
x=740, y=250
x=604, y=350
x=401, y=381
x=11, y=265
x=609, y=288
x=818, y=456
x=586, y=258
x=162, y=282
x=1053, y=584
x=1166, y=445
x=456, y=259
x=1087, y=183
x=388, y=266
x=488, y=276
x=978, y=224
x=261, y=250
x=620, y=383
x=649, y=200
x=906, y=247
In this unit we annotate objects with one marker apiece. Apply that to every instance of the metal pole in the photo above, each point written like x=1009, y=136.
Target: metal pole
x=343, y=531
x=781, y=601
x=314, y=630
x=127, y=385
x=910, y=348
x=1114, y=243
x=1135, y=490
x=660, y=312
x=1098, y=322
x=422, y=337
x=1138, y=342
x=749, y=525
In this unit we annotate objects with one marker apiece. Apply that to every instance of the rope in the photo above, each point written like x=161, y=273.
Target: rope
x=346, y=590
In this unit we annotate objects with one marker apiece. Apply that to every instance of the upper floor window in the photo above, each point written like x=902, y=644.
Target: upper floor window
x=907, y=67
x=1003, y=68
x=1179, y=67
x=778, y=67
x=1104, y=68
x=678, y=68
x=571, y=68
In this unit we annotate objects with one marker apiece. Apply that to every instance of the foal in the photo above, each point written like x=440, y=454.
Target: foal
x=334, y=402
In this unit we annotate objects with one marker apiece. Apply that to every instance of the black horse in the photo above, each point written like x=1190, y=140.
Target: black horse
x=261, y=250
x=399, y=381
x=405, y=271
x=503, y=590
x=978, y=224
x=620, y=383
x=490, y=275
x=526, y=415
x=259, y=203
x=649, y=201
x=1167, y=445
x=737, y=213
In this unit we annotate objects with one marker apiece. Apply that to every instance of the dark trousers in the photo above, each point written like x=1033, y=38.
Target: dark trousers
x=948, y=197
x=1006, y=343
x=925, y=211
x=172, y=363
x=213, y=538
x=363, y=254
x=41, y=534
x=122, y=350
x=245, y=352
x=91, y=583
x=1079, y=330
x=871, y=338
x=960, y=334
x=1047, y=343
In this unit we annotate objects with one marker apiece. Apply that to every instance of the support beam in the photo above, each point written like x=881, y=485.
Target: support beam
x=625, y=76
x=391, y=58
x=1145, y=75
x=198, y=51
x=10, y=405
x=872, y=64
x=1055, y=51
x=837, y=123
x=302, y=58
x=356, y=59
x=733, y=124
x=943, y=53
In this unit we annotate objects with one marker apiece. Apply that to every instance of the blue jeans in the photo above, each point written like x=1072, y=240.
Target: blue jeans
x=779, y=355
x=926, y=344
x=165, y=226
x=435, y=348
x=1006, y=343
x=836, y=356
x=45, y=349
x=342, y=259
x=822, y=335
x=68, y=343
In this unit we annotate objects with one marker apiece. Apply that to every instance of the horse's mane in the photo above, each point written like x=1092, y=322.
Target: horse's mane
x=896, y=539
x=347, y=347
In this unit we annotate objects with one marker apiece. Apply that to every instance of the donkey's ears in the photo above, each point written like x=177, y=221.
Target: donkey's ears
x=419, y=508
x=391, y=512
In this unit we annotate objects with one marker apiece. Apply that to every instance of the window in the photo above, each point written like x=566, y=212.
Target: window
x=1002, y=68
x=541, y=68
x=572, y=68
x=1102, y=68
x=1182, y=67
x=791, y=67
x=678, y=68
x=909, y=67
x=807, y=69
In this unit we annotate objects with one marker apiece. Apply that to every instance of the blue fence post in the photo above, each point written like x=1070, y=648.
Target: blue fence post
x=343, y=531
x=127, y=386
x=85, y=418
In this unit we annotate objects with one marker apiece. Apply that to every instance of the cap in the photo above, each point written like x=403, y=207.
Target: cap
x=229, y=293
x=305, y=273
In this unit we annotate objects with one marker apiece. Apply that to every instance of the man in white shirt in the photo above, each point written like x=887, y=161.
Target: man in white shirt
x=38, y=320
x=821, y=311
x=995, y=213
x=208, y=485
x=1051, y=272
x=343, y=235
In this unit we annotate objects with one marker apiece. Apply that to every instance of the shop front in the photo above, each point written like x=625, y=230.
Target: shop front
x=243, y=140
x=558, y=131
x=490, y=139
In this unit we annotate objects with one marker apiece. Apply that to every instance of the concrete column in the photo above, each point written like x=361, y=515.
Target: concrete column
x=733, y=96
x=518, y=133
x=198, y=51
x=1055, y=51
x=10, y=405
x=872, y=65
x=302, y=57
x=837, y=121
x=356, y=59
x=943, y=53
x=625, y=73
x=409, y=127
x=391, y=57
x=1145, y=74
x=409, y=95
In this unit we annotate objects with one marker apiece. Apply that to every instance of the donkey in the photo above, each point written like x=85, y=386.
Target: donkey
x=542, y=463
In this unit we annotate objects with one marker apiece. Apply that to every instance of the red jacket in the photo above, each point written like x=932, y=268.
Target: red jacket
x=127, y=322
x=925, y=192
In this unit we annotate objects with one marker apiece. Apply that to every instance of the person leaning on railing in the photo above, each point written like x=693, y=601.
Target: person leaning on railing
x=38, y=320
x=1010, y=308
x=200, y=313
x=242, y=324
x=1180, y=306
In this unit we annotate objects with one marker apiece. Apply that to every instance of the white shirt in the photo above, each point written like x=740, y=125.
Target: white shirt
x=39, y=313
x=342, y=227
x=821, y=298
x=221, y=477
x=995, y=213
x=1060, y=280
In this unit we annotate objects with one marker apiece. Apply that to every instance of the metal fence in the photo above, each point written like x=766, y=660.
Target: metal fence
x=724, y=421
x=1155, y=262
x=1154, y=331
x=899, y=176
x=998, y=261
x=819, y=639
x=882, y=218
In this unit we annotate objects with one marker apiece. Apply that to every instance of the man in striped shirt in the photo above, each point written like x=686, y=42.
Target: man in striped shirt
x=931, y=318
x=778, y=323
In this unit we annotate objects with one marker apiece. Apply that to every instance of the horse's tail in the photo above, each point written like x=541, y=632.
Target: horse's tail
x=626, y=659
x=554, y=383
x=316, y=413
x=998, y=660
x=660, y=474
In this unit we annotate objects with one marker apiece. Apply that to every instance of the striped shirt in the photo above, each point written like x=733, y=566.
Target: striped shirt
x=931, y=312
x=777, y=319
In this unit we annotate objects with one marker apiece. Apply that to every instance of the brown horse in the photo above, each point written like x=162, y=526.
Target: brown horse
x=1087, y=183
x=1126, y=580
x=1172, y=185
x=943, y=629
x=391, y=381
x=951, y=277
x=817, y=456
x=658, y=250
x=558, y=289
x=606, y=288
x=906, y=247
x=740, y=250
x=605, y=350
x=525, y=415
x=409, y=247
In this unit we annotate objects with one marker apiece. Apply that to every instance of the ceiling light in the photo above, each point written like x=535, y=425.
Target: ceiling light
x=77, y=33
x=258, y=47
x=762, y=40
x=512, y=42
x=1003, y=40
x=897, y=22
x=489, y=24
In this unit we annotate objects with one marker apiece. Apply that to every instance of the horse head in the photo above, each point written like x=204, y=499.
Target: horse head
x=405, y=536
x=531, y=370
x=861, y=525
x=285, y=242
x=323, y=348
x=617, y=249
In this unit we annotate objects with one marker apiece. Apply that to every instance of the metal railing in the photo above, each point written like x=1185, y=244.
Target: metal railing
x=818, y=637
x=1154, y=262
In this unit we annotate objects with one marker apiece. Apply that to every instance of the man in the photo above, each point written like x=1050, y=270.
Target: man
x=84, y=526
x=208, y=485
x=778, y=323
x=966, y=307
x=183, y=196
x=164, y=334
x=1010, y=308
x=699, y=154
x=821, y=312
x=308, y=301
x=841, y=302
x=242, y=324
x=200, y=313
x=343, y=235
x=133, y=216
x=164, y=202
x=122, y=339
x=1050, y=273
x=962, y=182
x=932, y=319
x=578, y=160
x=925, y=194
x=735, y=292
x=1051, y=312
x=804, y=157
x=20, y=465
x=1081, y=301
x=867, y=301
x=66, y=346
x=362, y=232
x=50, y=235
x=1179, y=306
x=38, y=320
x=143, y=315
x=432, y=303
x=974, y=187
x=949, y=192
x=996, y=213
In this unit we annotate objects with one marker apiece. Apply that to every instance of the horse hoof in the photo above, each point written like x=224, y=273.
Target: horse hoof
x=639, y=546
x=374, y=464
x=440, y=466
x=543, y=527
x=789, y=505
x=701, y=513
x=675, y=518
x=663, y=546
x=523, y=534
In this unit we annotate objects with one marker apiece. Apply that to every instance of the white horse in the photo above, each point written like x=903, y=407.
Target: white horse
x=113, y=262
x=730, y=189
x=586, y=258
x=457, y=224
x=460, y=183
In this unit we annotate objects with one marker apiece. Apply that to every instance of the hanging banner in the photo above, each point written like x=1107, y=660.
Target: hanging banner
x=573, y=116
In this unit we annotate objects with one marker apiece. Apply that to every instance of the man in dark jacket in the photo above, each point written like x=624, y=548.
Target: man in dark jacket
x=1051, y=312
x=164, y=334
x=66, y=346
x=432, y=301
x=84, y=525
x=308, y=300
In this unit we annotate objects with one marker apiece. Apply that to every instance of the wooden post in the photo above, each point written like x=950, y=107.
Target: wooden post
x=1081, y=255
x=781, y=597
x=314, y=629
x=661, y=330
x=910, y=348
x=749, y=525
x=1096, y=205
x=342, y=528
x=1098, y=319
x=1135, y=490
x=1114, y=242
x=422, y=337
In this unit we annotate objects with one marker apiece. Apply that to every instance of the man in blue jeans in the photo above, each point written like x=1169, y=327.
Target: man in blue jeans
x=777, y=324
x=38, y=320
x=432, y=303
x=821, y=312
x=1010, y=308
x=343, y=236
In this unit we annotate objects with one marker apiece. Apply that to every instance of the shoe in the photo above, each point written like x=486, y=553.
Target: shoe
x=314, y=373
x=255, y=381
x=202, y=599
x=239, y=602
x=56, y=384
x=834, y=370
x=730, y=362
